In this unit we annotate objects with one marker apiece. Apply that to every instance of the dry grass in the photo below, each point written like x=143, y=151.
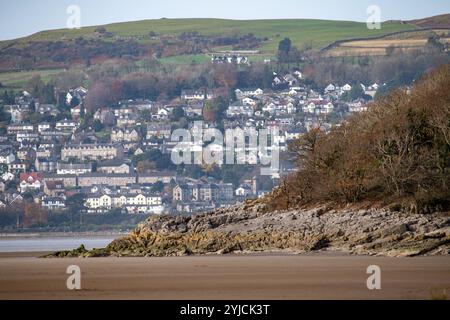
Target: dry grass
x=438, y=294
x=385, y=43
x=347, y=52
x=355, y=52
x=377, y=47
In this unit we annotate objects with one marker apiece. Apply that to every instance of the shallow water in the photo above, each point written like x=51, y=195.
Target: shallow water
x=52, y=243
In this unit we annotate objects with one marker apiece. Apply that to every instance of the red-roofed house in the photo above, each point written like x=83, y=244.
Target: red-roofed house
x=30, y=181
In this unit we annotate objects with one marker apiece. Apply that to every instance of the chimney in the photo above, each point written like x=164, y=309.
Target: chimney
x=255, y=185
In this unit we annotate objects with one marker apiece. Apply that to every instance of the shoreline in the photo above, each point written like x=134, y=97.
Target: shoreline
x=274, y=253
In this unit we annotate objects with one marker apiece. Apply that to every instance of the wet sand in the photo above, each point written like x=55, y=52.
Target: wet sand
x=318, y=276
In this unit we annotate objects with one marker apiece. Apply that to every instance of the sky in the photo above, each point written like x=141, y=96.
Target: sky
x=20, y=18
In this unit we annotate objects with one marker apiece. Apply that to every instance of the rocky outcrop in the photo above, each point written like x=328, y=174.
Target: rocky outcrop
x=247, y=228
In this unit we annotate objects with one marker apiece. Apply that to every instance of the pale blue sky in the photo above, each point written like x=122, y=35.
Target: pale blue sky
x=23, y=17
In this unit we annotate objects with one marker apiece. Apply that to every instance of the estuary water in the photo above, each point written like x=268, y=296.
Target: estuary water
x=52, y=243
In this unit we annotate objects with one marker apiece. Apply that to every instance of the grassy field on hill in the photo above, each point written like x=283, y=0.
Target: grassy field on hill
x=20, y=78
x=318, y=33
x=300, y=31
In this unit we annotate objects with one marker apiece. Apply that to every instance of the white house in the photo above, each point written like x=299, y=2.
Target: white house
x=372, y=90
x=54, y=203
x=161, y=114
x=318, y=107
x=76, y=111
x=237, y=109
x=69, y=98
x=346, y=87
x=43, y=126
x=27, y=136
x=193, y=95
x=292, y=134
x=292, y=92
x=16, y=128
x=7, y=157
x=278, y=80
x=290, y=108
x=357, y=106
x=375, y=86
x=244, y=190
x=66, y=125
x=309, y=108
x=330, y=88
x=249, y=92
x=327, y=108
x=73, y=168
x=298, y=74
x=284, y=120
x=248, y=101
x=270, y=108
x=8, y=176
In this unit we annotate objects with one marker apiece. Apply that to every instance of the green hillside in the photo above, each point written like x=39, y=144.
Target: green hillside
x=319, y=32
x=22, y=58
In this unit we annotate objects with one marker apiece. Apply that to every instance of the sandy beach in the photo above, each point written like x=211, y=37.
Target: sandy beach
x=317, y=276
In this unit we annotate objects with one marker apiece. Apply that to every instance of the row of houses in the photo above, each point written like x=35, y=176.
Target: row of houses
x=92, y=152
x=30, y=181
x=229, y=58
x=339, y=90
x=203, y=192
x=142, y=203
x=64, y=125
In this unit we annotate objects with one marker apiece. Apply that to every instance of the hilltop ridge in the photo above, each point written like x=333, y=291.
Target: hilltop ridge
x=439, y=21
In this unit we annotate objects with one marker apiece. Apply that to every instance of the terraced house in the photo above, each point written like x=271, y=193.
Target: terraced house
x=100, y=178
x=209, y=192
x=92, y=152
x=124, y=135
x=132, y=203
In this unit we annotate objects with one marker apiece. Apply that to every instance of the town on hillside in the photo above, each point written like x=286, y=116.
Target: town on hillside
x=59, y=157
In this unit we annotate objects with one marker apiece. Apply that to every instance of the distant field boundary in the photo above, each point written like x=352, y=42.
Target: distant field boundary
x=237, y=52
x=337, y=43
x=44, y=68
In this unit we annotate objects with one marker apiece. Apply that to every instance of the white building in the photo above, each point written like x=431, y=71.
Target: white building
x=244, y=190
x=66, y=125
x=357, y=106
x=238, y=109
x=73, y=168
x=43, y=127
x=249, y=92
x=347, y=87
x=133, y=203
x=7, y=157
